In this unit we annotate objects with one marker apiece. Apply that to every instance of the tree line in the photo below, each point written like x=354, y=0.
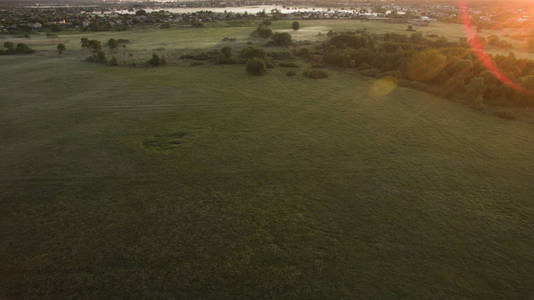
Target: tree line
x=450, y=69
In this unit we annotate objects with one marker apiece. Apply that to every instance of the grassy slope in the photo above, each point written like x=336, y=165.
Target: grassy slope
x=279, y=187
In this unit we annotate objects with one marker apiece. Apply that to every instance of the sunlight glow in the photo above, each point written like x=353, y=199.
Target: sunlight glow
x=484, y=58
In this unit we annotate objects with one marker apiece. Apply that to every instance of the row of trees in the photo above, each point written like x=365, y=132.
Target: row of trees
x=10, y=48
x=282, y=39
x=437, y=65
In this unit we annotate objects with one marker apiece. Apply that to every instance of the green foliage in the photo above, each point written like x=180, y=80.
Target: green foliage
x=227, y=51
x=282, y=39
x=225, y=56
x=113, y=61
x=197, y=23
x=475, y=91
x=256, y=66
x=112, y=44
x=61, y=48
x=347, y=40
x=494, y=41
x=291, y=73
x=304, y=52
x=85, y=42
x=156, y=60
x=98, y=56
x=93, y=45
x=23, y=49
x=425, y=66
x=295, y=25
x=10, y=46
x=280, y=54
x=20, y=48
x=263, y=32
x=252, y=52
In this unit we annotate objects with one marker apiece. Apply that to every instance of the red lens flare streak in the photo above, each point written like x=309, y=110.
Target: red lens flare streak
x=484, y=58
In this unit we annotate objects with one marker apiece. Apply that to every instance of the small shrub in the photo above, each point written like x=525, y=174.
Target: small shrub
x=291, y=73
x=263, y=32
x=61, y=48
x=196, y=63
x=316, y=74
x=280, y=54
x=22, y=48
x=113, y=61
x=98, y=57
x=252, y=52
x=256, y=66
x=282, y=39
x=156, y=60
x=295, y=25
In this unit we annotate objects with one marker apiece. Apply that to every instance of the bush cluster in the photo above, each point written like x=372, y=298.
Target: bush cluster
x=156, y=60
x=434, y=64
x=20, y=48
x=256, y=66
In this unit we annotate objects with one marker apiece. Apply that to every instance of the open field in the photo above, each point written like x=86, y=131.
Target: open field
x=204, y=182
x=187, y=38
x=191, y=38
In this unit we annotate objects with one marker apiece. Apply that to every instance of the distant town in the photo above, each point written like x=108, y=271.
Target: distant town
x=48, y=16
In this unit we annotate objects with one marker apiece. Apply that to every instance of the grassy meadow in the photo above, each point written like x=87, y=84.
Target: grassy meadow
x=205, y=182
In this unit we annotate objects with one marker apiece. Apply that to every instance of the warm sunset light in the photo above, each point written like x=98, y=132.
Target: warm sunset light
x=267, y=149
x=482, y=55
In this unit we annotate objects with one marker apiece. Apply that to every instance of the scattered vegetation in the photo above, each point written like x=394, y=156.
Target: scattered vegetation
x=156, y=60
x=10, y=49
x=282, y=39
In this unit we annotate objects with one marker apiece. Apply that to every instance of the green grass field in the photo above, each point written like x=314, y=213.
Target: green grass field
x=204, y=182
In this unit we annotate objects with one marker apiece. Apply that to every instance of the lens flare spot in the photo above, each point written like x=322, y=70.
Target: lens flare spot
x=482, y=55
x=383, y=86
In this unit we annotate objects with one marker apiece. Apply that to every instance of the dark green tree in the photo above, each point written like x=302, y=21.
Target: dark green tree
x=282, y=39
x=61, y=48
x=256, y=66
